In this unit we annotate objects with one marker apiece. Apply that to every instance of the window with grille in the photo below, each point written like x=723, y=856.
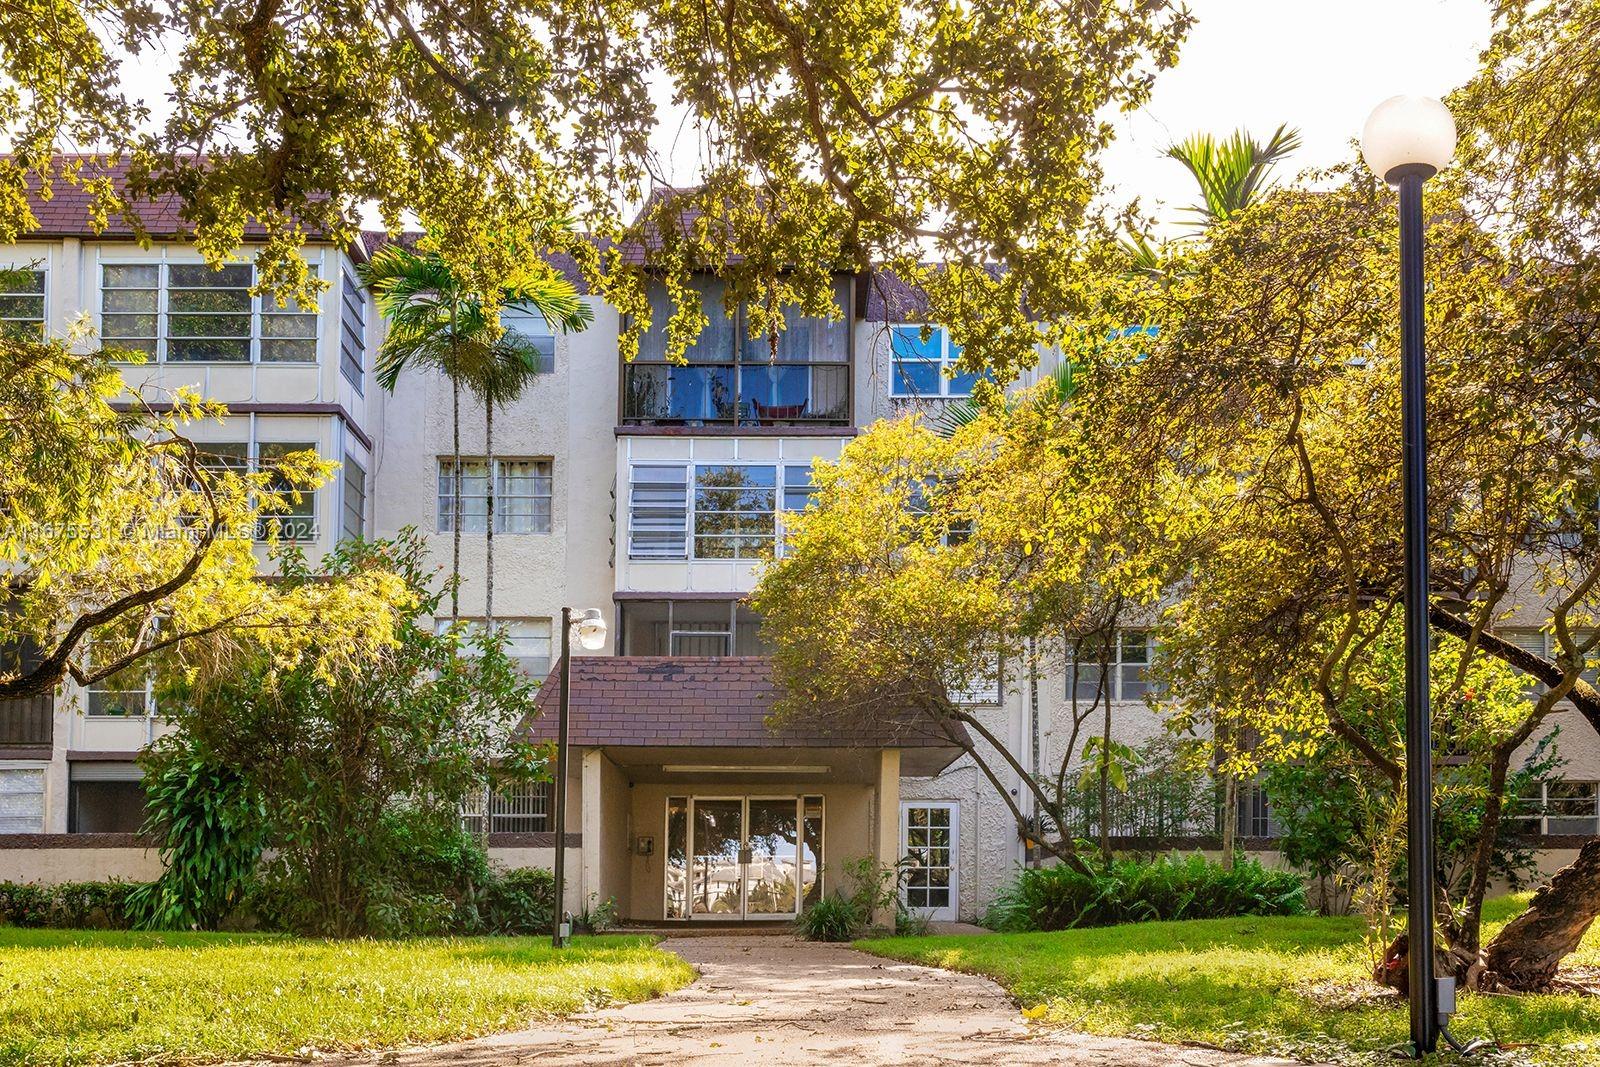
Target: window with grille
x=21, y=303
x=523, y=491
x=190, y=313
x=125, y=694
x=355, y=500
x=1123, y=664
x=516, y=808
x=689, y=628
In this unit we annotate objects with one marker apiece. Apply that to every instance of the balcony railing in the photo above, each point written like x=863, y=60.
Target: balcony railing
x=1154, y=808
x=736, y=394
x=27, y=721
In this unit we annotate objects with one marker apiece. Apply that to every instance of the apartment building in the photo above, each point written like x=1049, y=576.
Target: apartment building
x=645, y=489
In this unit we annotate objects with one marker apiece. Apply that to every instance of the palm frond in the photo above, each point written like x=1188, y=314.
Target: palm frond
x=1232, y=173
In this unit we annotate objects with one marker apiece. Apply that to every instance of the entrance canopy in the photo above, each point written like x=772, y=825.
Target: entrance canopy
x=690, y=719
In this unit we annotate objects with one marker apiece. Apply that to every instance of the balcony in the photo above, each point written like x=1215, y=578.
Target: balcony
x=800, y=377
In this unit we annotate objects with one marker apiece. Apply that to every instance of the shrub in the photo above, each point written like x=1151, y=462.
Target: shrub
x=833, y=918
x=1125, y=890
x=81, y=905
x=520, y=901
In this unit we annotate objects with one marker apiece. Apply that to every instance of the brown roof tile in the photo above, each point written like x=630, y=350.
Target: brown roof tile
x=700, y=701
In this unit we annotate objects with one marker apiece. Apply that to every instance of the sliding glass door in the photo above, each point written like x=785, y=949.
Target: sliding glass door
x=748, y=857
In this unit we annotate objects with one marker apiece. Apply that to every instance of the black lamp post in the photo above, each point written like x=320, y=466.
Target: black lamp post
x=1407, y=140
x=591, y=629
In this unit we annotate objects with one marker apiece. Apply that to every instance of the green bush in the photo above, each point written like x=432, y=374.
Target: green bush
x=79, y=905
x=520, y=901
x=1127, y=890
x=832, y=918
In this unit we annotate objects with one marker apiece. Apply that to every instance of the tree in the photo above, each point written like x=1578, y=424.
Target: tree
x=121, y=545
x=827, y=136
x=928, y=559
x=438, y=321
x=1273, y=390
x=358, y=768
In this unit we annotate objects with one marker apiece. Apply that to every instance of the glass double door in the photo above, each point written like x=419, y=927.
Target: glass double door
x=741, y=857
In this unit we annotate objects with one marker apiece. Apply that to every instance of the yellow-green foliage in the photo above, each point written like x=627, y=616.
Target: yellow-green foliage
x=78, y=997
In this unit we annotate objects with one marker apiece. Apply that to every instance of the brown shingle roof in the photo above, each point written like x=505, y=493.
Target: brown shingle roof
x=700, y=701
x=68, y=212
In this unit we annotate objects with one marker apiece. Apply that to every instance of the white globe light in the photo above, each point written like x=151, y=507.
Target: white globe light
x=1404, y=131
x=591, y=630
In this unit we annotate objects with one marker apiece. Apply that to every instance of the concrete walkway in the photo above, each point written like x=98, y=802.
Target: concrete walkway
x=773, y=1000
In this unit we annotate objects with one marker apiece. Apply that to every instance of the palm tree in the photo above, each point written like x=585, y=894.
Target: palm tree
x=436, y=321
x=1233, y=172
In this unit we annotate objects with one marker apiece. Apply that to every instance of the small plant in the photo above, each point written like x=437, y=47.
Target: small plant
x=597, y=917
x=832, y=918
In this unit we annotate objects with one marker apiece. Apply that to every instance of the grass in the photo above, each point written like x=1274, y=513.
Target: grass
x=80, y=997
x=1285, y=986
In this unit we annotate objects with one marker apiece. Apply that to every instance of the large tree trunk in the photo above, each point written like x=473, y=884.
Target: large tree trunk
x=1527, y=952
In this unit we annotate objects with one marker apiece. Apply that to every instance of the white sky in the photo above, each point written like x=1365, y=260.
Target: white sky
x=1320, y=65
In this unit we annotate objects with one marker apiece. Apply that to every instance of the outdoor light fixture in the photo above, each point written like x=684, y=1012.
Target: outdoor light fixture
x=1407, y=140
x=591, y=627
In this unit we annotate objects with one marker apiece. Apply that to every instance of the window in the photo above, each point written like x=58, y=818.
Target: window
x=21, y=303
x=1557, y=807
x=124, y=695
x=21, y=800
x=523, y=489
x=658, y=511
x=527, y=642
x=207, y=316
x=515, y=808
x=802, y=377
x=1127, y=667
x=921, y=357
x=298, y=522
x=689, y=628
x=355, y=499
x=986, y=690
x=1542, y=644
x=734, y=510
x=105, y=798
x=530, y=328
x=352, y=331
x=1254, y=814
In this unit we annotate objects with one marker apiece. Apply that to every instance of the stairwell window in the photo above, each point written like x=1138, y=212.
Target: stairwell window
x=523, y=494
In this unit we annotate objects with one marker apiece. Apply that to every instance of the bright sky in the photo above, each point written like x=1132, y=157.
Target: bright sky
x=1317, y=65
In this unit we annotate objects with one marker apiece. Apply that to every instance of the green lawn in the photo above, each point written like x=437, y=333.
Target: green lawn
x=1288, y=986
x=69, y=997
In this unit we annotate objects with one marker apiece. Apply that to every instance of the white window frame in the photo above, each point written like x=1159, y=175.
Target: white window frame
x=89, y=692
x=948, y=354
x=13, y=772
x=43, y=295
x=952, y=909
x=988, y=692
x=348, y=284
x=345, y=511
x=261, y=309
x=532, y=640
x=1118, y=666
x=445, y=498
x=1541, y=821
x=663, y=538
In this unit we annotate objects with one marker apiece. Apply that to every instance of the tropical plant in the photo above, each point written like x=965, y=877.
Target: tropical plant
x=438, y=321
x=1061, y=897
x=1233, y=172
x=211, y=825
x=831, y=918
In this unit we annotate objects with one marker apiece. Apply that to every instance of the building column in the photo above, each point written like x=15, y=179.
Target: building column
x=589, y=880
x=888, y=841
